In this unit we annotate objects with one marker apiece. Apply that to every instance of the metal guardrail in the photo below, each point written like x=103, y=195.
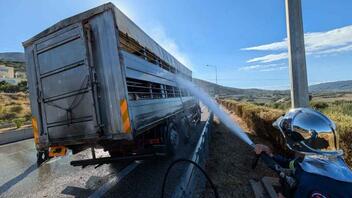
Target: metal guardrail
x=192, y=181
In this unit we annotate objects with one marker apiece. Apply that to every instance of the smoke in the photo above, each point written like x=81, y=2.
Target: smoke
x=214, y=107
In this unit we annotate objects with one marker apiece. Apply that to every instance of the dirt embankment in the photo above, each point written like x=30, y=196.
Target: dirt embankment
x=230, y=161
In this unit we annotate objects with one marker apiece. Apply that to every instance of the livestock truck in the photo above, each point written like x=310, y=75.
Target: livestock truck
x=96, y=80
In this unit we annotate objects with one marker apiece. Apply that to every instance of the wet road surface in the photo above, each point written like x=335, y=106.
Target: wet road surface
x=20, y=177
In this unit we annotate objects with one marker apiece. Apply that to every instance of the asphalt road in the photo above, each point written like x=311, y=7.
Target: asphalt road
x=20, y=177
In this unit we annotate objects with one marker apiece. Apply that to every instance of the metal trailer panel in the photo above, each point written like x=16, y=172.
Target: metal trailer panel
x=138, y=68
x=60, y=73
x=110, y=74
x=146, y=112
x=58, y=81
x=33, y=93
x=125, y=25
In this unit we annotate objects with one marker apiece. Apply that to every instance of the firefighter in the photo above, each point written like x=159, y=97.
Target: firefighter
x=318, y=169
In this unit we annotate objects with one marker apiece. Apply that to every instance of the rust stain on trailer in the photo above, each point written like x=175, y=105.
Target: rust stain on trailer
x=125, y=117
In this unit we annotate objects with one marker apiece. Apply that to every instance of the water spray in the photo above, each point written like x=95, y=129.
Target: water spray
x=214, y=107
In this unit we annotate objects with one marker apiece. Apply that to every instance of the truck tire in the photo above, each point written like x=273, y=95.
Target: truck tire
x=114, y=153
x=184, y=128
x=172, y=139
x=199, y=113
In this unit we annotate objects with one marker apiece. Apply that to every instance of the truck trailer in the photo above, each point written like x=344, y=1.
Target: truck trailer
x=96, y=80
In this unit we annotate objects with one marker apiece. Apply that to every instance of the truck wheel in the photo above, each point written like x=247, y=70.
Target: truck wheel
x=172, y=139
x=113, y=153
x=199, y=114
x=184, y=128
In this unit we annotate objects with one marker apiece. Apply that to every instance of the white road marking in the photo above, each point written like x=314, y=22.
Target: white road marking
x=113, y=181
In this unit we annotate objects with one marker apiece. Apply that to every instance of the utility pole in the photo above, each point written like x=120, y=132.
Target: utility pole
x=296, y=54
x=216, y=72
x=216, y=77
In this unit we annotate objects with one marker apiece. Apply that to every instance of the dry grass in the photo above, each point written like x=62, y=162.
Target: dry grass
x=14, y=109
x=230, y=160
x=260, y=119
x=344, y=128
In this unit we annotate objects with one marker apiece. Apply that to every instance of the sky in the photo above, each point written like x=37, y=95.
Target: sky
x=245, y=40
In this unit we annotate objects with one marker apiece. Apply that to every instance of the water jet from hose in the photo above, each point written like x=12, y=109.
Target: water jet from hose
x=214, y=107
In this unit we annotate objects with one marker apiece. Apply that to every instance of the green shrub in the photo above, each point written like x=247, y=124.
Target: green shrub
x=277, y=105
x=10, y=103
x=9, y=88
x=7, y=115
x=18, y=122
x=16, y=109
x=319, y=105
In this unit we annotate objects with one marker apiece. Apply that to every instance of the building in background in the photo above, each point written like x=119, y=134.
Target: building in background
x=9, y=75
x=6, y=72
x=20, y=75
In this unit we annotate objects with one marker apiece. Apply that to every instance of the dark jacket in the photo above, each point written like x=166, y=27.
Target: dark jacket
x=314, y=185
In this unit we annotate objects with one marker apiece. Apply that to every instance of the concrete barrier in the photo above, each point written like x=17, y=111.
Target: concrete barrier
x=15, y=135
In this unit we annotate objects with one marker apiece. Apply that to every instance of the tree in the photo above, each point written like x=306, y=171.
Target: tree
x=22, y=86
x=9, y=88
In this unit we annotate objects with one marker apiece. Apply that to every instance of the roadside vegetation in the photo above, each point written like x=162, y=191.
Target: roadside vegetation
x=260, y=117
x=18, y=66
x=14, y=102
x=14, y=110
x=9, y=88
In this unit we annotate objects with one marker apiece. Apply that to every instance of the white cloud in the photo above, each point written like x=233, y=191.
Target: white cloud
x=271, y=46
x=260, y=66
x=269, y=58
x=319, y=41
x=336, y=50
x=333, y=41
x=264, y=67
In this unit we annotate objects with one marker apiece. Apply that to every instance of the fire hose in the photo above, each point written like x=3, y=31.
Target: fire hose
x=196, y=165
x=285, y=175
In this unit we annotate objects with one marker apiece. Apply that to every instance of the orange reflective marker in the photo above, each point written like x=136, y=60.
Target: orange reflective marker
x=125, y=116
x=55, y=151
x=35, y=130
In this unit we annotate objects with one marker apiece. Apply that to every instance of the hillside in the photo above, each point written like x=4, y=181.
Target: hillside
x=213, y=89
x=13, y=59
x=329, y=87
x=19, y=66
x=338, y=86
x=12, y=56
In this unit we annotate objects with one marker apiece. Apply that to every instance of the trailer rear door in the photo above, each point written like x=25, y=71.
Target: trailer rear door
x=65, y=84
